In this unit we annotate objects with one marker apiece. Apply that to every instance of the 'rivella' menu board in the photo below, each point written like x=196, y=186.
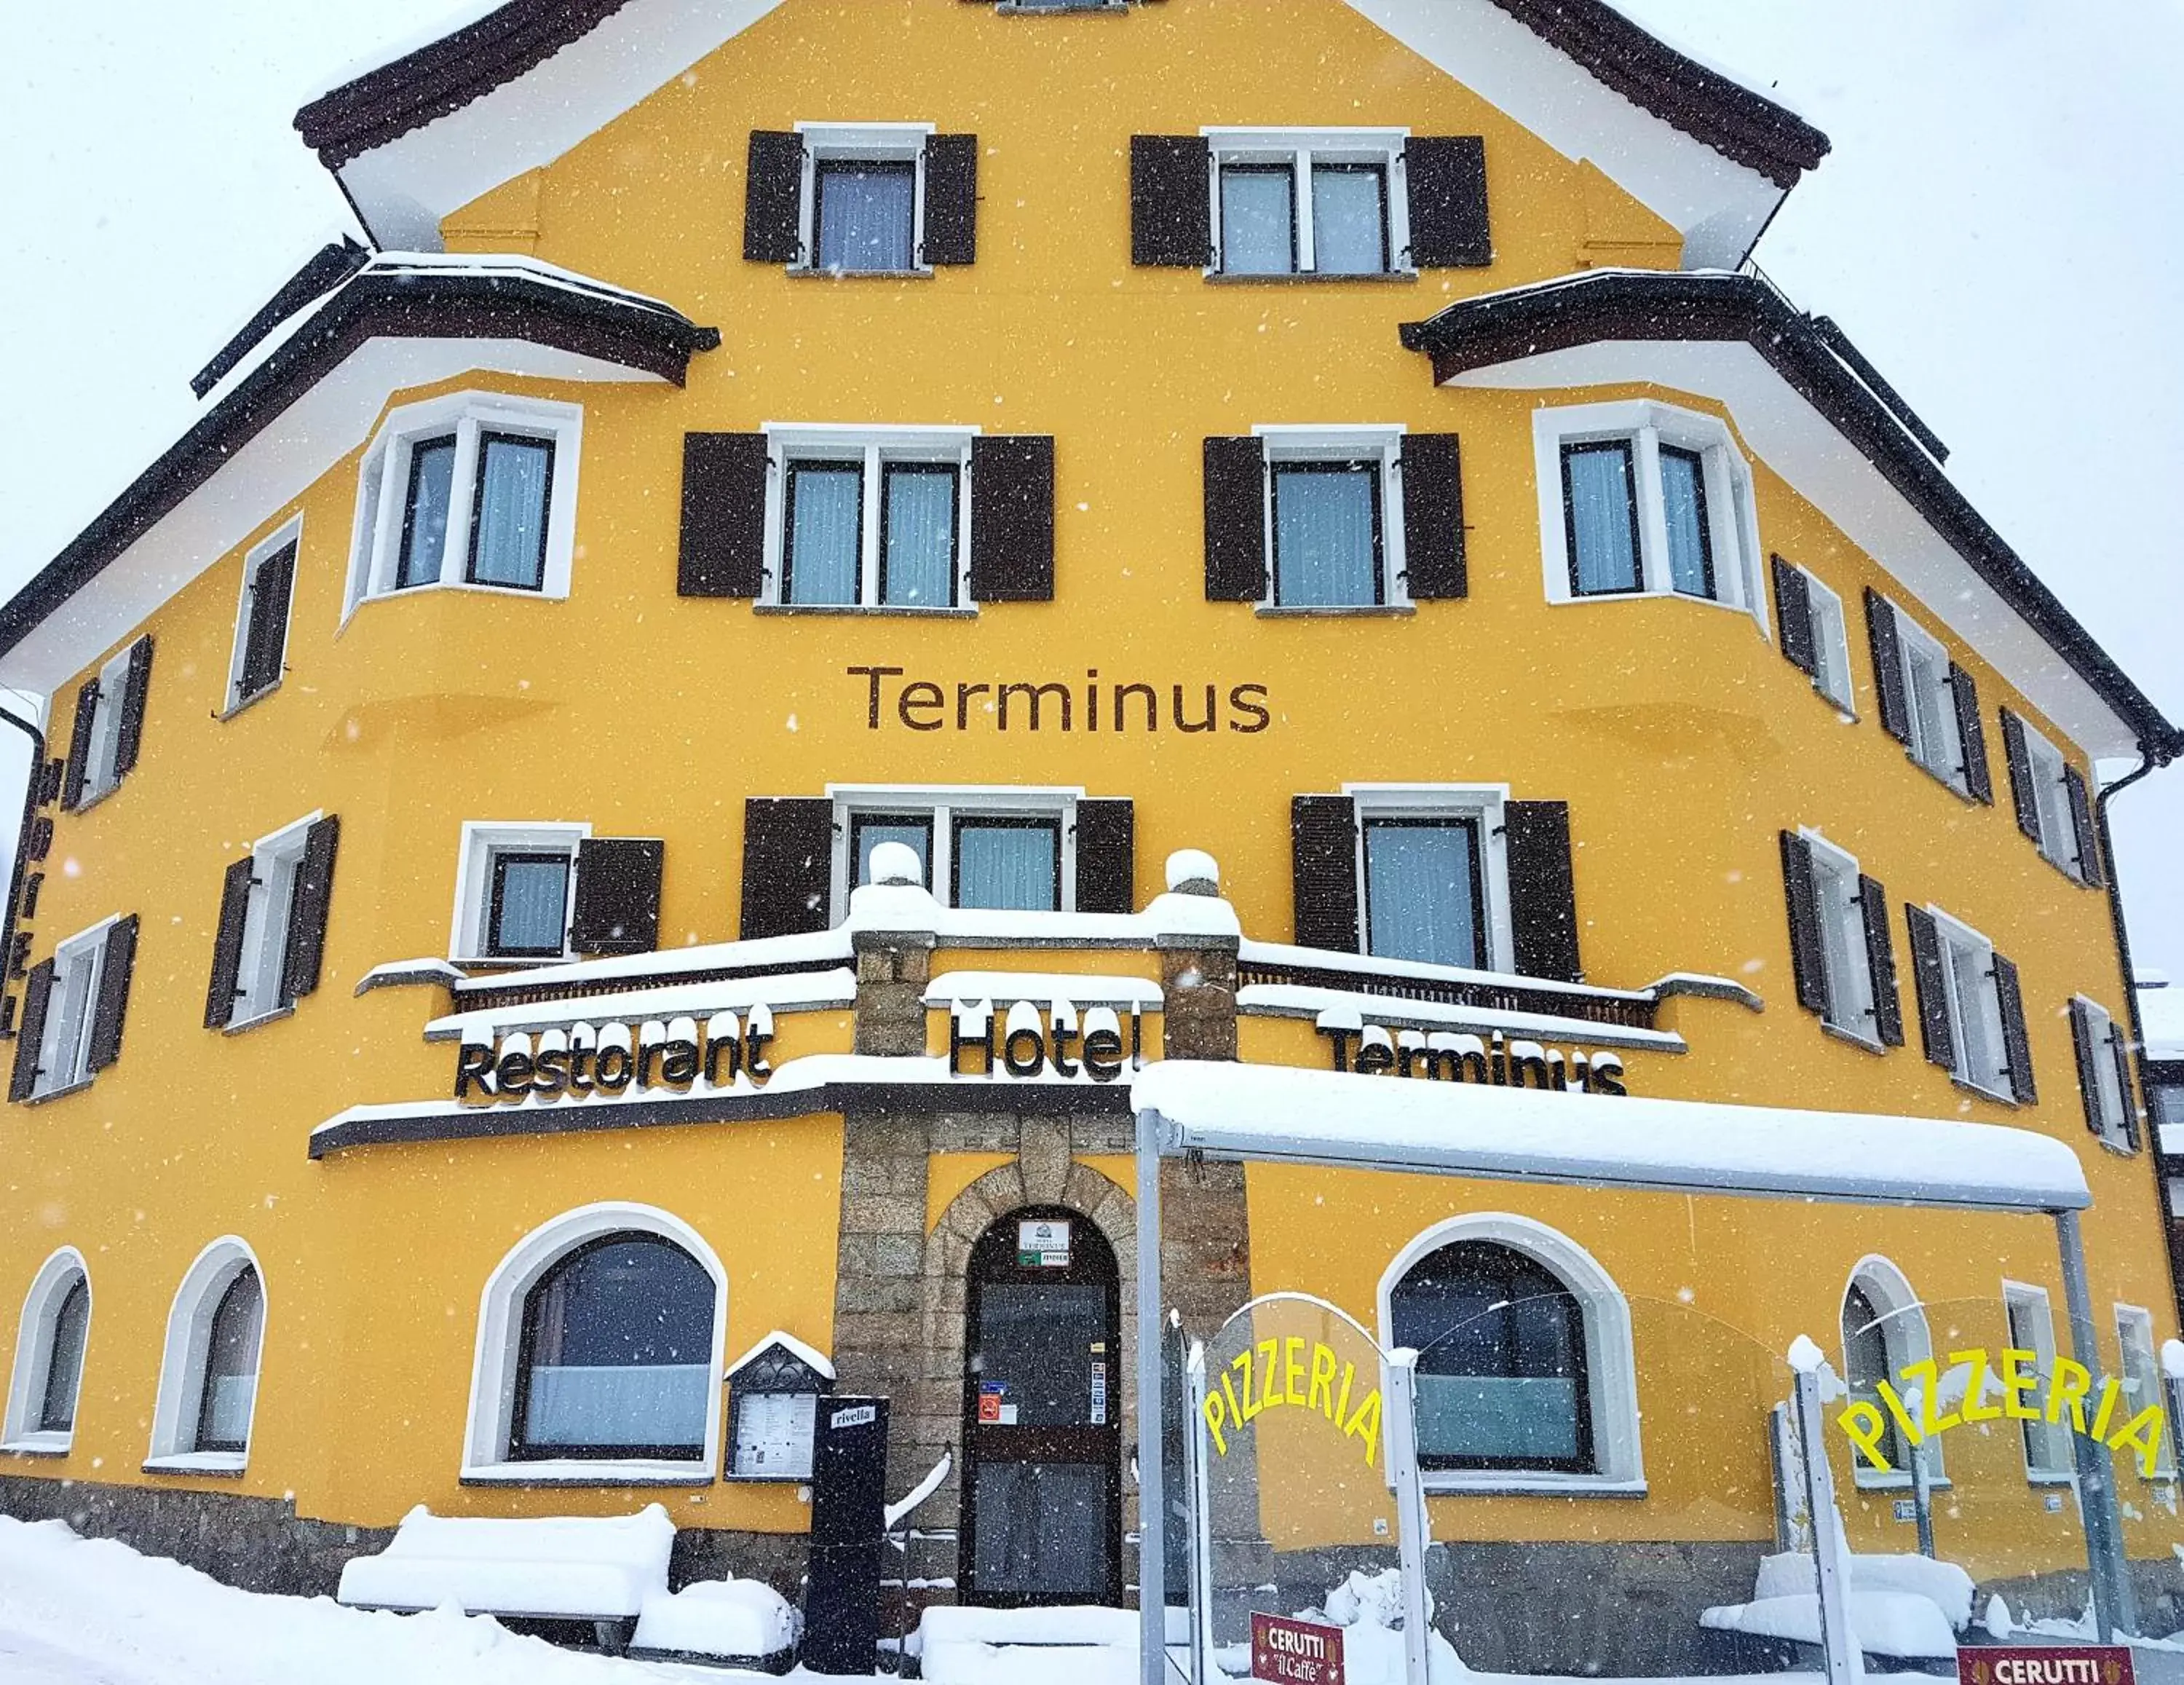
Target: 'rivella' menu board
x=1296, y=1652
x=2045, y=1664
x=774, y=1433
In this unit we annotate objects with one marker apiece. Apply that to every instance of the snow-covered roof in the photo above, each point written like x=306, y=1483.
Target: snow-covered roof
x=1674, y=1146
x=2161, y=1015
x=432, y=123
x=809, y=1356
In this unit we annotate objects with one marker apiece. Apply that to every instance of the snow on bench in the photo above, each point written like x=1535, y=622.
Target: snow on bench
x=599, y=1569
x=718, y=1620
x=1906, y=1607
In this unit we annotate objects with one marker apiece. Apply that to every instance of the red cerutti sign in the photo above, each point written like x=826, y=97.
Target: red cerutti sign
x=1300, y=1652
x=2040, y=1665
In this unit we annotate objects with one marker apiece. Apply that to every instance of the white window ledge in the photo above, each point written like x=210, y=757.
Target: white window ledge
x=1856, y=1039
x=249, y=702
x=573, y=1471
x=1309, y=278
x=1866, y=1480
x=1983, y=1092
x=1526, y=1483
x=46, y=1094
x=967, y=611
x=199, y=1463
x=39, y=1445
x=1334, y=610
x=273, y=1017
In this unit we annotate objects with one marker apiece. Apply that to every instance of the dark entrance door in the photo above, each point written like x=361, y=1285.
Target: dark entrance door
x=1042, y=1408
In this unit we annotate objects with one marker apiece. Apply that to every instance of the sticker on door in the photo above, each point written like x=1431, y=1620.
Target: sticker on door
x=1043, y=1243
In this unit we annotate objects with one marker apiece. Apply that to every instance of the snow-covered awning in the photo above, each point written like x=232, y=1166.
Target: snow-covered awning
x=1271, y=1112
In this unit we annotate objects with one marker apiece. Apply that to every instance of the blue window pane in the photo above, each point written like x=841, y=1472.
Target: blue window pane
x=1009, y=866
x=508, y=544
x=1422, y=891
x=1349, y=219
x=530, y=904
x=425, y=512
x=231, y=1368
x=917, y=567
x=1602, y=517
x=866, y=212
x=617, y=1353
x=1326, y=534
x=64, y=1363
x=1258, y=222
x=915, y=835
x=1690, y=546
x=826, y=533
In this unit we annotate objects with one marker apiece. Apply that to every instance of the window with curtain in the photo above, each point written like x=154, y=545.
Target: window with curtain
x=528, y=915
x=230, y=1366
x=508, y=533
x=1305, y=205
x=1876, y=1348
x=1425, y=893
x=1008, y=864
x=1258, y=219
x=1503, y=1377
x=1350, y=219
x=64, y=1360
x=1684, y=504
x=867, y=831
x=425, y=511
x=1600, y=509
x=616, y=1354
x=1326, y=534
x=866, y=215
x=823, y=520
x=917, y=550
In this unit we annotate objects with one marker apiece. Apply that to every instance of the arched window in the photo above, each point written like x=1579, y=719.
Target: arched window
x=48, y=1368
x=230, y=1364
x=1502, y=1373
x=617, y=1354
x=1884, y=1332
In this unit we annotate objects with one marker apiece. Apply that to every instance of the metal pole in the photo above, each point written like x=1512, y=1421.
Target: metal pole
x=1922, y=1497
x=1201, y=1476
x=1399, y=1396
x=2115, y=1609
x=1152, y=1500
x=1838, y=1645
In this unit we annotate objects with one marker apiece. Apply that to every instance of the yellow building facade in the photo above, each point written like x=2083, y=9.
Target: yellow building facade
x=779, y=445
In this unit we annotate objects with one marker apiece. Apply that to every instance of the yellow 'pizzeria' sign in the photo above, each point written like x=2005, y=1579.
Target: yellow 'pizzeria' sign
x=1296, y=1373
x=2066, y=1391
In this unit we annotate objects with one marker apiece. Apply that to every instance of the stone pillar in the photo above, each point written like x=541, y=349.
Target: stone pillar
x=894, y=969
x=1198, y=997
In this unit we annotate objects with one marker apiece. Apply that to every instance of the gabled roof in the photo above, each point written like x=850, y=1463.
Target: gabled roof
x=413, y=139
x=474, y=306
x=1566, y=331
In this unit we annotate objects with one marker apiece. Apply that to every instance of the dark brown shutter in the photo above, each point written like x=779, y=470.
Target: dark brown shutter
x=78, y=755
x=788, y=866
x=951, y=199
x=1450, y=228
x=2016, y=1044
x=1324, y=855
x=1880, y=961
x=1971, y=736
x=1171, y=201
x=773, y=199
x=1433, y=516
x=1808, y=963
x=1542, y=890
x=1887, y=666
x=1107, y=855
x=723, y=548
x=114, y=972
x=1931, y=980
x=129, y=739
x=304, y=950
x=30, y=1034
x=2088, y=1050
x=227, y=943
x=266, y=629
x=1235, y=520
x=2121, y=1050
x=1793, y=610
x=2024, y=790
x=1013, y=519
x=617, y=908
x=2082, y=822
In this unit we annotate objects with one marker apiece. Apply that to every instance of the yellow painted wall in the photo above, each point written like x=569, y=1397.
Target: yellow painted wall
x=1679, y=736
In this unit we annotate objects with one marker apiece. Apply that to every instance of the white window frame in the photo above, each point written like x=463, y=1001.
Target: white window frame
x=1935, y=745
x=861, y=143
x=291, y=531
x=946, y=804
x=876, y=446
x=1286, y=442
x=181, y=1367
x=482, y=838
x=1831, y=645
x=375, y=550
x=2055, y=1465
x=1732, y=514
x=1484, y=803
x=490, y=1418
x=1843, y=947
x=100, y=780
x=1610, y=1354
x=1968, y=964
x=63, y=1069
x=276, y=865
x=2058, y=826
x=1300, y=148
x=1908, y=1339
x=34, y=1356
x=2107, y=1080
x=2136, y=1348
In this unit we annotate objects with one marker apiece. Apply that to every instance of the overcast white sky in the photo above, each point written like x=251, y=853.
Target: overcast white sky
x=2001, y=228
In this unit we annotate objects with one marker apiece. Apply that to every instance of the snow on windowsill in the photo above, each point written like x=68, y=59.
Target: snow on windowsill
x=585, y=1472
x=1521, y=1483
x=38, y=1445
x=1345, y=1009
x=794, y=992
x=199, y=1463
